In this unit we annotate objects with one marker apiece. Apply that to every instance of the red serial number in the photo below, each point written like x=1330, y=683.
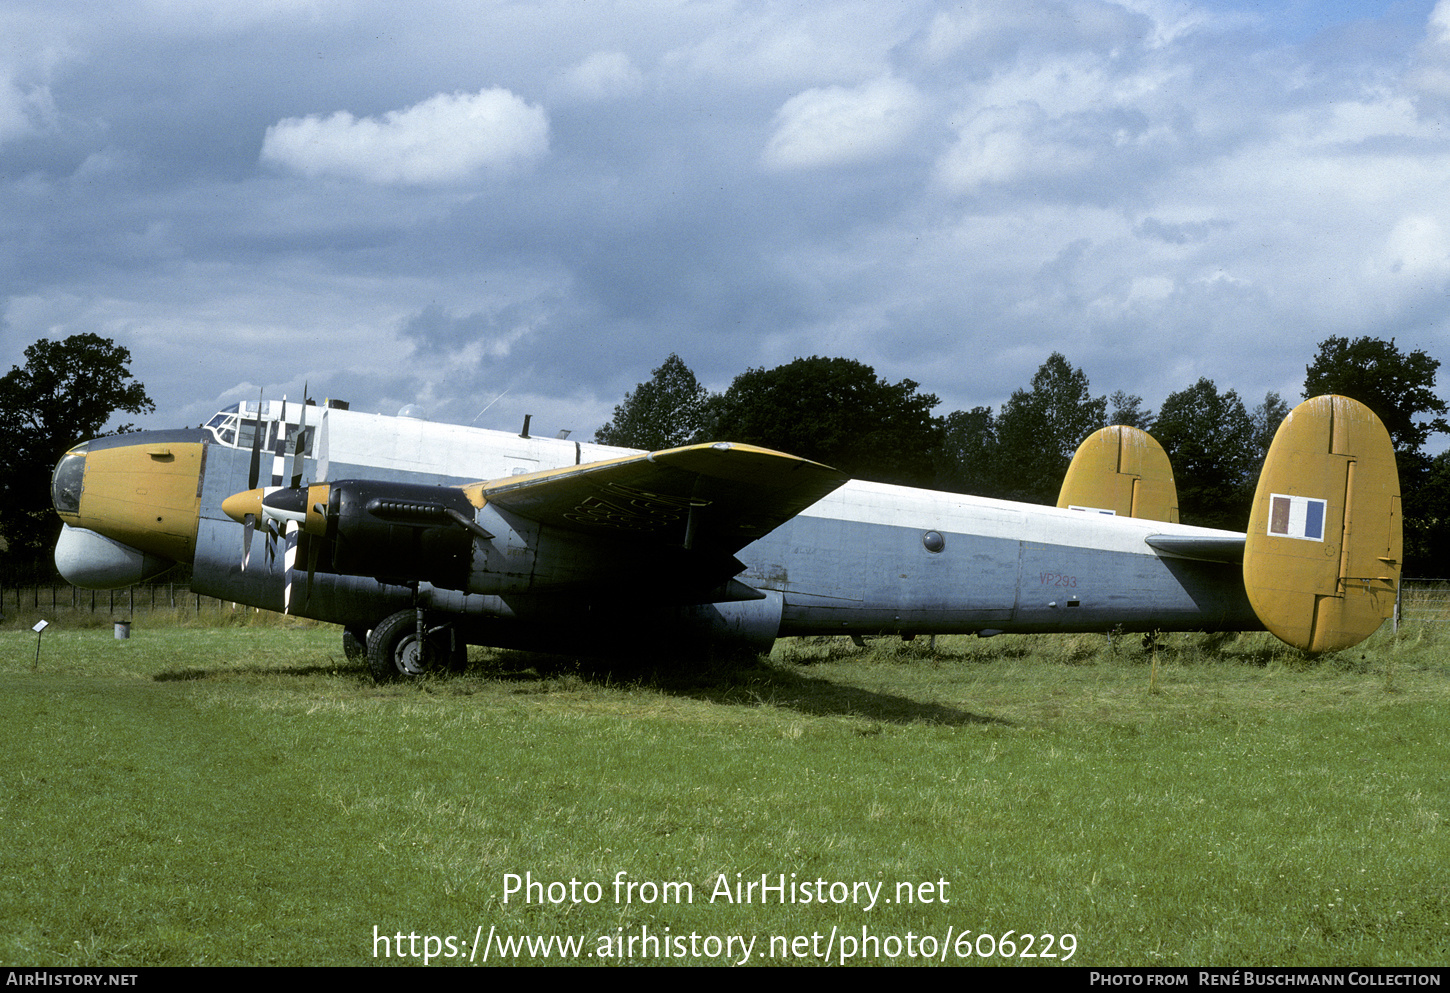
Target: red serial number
x=1058, y=579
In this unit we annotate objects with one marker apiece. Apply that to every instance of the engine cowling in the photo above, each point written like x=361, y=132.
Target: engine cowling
x=399, y=532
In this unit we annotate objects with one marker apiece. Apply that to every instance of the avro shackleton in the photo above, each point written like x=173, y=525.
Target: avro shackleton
x=420, y=538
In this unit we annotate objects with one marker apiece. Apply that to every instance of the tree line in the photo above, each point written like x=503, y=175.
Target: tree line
x=839, y=412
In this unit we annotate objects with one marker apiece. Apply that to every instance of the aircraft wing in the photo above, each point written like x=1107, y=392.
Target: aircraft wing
x=721, y=496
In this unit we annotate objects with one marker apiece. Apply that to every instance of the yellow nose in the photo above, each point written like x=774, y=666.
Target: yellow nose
x=146, y=495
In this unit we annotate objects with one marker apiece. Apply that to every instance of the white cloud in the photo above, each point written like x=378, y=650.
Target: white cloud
x=602, y=76
x=758, y=45
x=1113, y=179
x=833, y=125
x=1431, y=75
x=1004, y=146
x=23, y=112
x=445, y=139
x=13, y=117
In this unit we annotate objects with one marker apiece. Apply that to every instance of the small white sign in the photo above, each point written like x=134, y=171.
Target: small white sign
x=40, y=626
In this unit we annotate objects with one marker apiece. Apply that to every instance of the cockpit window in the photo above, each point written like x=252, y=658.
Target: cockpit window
x=66, y=484
x=245, y=431
x=236, y=427
x=291, y=444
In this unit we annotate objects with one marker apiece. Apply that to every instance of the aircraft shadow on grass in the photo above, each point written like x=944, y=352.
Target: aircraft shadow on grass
x=744, y=684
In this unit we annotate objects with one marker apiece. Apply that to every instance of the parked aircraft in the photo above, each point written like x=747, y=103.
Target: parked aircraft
x=421, y=538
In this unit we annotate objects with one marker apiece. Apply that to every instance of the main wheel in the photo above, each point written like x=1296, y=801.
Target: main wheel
x=394, y=651
x=355, y=643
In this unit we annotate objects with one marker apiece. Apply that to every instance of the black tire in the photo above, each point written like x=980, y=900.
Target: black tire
x=355, y=644
x=394, y=651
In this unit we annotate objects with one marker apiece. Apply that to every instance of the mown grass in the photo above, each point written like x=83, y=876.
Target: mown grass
x=243, y=795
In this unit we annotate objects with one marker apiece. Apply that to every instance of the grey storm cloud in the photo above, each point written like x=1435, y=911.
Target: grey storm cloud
x=543, y=201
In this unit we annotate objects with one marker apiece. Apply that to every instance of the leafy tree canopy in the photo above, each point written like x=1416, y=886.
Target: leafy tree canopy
x=969, y=458
x=1267, y=417
x=1039, y=430
x=1398, y=387
x=1128, y=411
x=836, y=411
x=1211, y=442
x=66, y=392
x=665, y=412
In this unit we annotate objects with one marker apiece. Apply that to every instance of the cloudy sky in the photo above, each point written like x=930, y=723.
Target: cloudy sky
x=445, y=202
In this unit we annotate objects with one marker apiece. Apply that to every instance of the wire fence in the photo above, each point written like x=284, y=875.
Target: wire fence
x=58, y=600
x=1426, y=600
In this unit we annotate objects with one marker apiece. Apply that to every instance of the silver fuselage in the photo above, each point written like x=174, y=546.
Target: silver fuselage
x=868, y=559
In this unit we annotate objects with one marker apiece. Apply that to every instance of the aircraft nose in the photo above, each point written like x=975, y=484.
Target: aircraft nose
x=142, y=490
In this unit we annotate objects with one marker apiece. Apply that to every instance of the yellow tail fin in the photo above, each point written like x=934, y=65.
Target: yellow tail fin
x=1123, y=471
x=1322, y=555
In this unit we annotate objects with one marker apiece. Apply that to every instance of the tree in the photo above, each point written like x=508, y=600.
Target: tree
x=66, y=392
x=665, y=412
x=968, y=461
x=1427, y=519
x=1267, y=417
x=835, y=411
x=1039, y=430
x=1128, y=411
x=1211, y=442
x=1398, y=387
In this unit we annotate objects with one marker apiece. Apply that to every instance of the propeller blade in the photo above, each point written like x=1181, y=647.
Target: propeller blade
x=256, y=447
x=321, y=452
x=297, y=448
x=279, y=447
x=289, y=566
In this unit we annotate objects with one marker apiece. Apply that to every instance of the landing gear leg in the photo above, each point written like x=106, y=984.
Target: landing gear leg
x=404, y=647
x=397, y=649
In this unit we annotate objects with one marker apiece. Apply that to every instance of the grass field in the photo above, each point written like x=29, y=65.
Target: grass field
x=241, y=794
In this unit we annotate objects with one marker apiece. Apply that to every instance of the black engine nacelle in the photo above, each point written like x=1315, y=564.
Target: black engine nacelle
x=400, y=532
